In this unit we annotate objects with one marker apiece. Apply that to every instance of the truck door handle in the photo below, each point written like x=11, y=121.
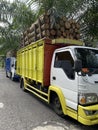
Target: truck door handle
x=54, y=78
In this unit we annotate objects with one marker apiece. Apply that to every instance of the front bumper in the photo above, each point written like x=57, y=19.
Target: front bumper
x=88, y=119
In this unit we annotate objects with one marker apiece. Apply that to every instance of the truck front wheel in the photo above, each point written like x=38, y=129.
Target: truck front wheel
x=11, y=77
x=57, y=105
x=7, y=74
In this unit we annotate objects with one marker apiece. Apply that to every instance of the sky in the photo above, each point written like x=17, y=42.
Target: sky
x=14, y=0
x=10, y=1
x=2, y=24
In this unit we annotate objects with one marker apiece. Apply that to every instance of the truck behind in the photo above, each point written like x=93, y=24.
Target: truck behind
x=10, y=66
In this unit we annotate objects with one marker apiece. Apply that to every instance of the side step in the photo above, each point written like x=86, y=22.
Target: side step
x=37, y=92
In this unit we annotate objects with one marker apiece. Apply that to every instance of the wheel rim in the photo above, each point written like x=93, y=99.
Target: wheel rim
x=57, y=104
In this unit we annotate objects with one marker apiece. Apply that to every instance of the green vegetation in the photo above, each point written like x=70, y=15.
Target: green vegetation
x=18, y=16
x=84, y=11
x=2, y=59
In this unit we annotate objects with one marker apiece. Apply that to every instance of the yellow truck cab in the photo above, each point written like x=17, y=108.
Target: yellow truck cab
x=64, y=74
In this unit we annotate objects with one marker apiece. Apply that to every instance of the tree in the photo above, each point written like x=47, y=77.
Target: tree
x=23, y=16
x=89, y=21
x=5, y=13
x=84, y=11
x=17, y=17
x=68, y=8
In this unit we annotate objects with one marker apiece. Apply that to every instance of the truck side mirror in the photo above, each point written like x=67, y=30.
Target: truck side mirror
x=78, y=65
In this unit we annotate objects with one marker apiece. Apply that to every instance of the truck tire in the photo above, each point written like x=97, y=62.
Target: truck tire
x=11, y=77
x=22, y=85
x=57, y=106
x=7, y=75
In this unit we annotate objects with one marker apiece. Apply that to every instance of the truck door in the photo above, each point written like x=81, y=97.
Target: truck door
x=64, y=77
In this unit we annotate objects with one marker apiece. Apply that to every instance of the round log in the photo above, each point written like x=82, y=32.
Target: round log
x=52, y=32
x=67, y=25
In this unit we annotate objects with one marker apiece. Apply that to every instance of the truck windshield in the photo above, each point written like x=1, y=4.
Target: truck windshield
x=89, y=58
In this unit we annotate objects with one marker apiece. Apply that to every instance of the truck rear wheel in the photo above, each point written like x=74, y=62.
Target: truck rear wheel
x=57, y=106
x=22, y=85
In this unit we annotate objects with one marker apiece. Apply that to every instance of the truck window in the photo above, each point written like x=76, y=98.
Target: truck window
x=89, y=58
x=65, y=61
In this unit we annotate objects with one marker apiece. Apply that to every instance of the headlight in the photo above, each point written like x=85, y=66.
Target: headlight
x=88, y=98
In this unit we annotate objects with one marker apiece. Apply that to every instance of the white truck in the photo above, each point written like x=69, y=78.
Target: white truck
x=63, y=74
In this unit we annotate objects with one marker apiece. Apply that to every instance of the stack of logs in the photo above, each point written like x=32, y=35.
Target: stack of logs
x=45, y=27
